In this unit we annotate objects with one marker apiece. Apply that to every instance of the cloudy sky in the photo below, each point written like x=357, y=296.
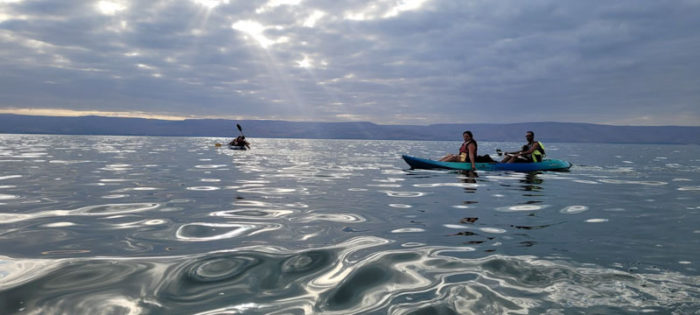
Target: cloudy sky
x=385, y=61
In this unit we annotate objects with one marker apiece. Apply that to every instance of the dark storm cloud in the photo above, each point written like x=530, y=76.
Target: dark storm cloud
x=623, y=62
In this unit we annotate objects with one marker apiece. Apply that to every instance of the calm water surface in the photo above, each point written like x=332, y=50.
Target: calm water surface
x=131, y=225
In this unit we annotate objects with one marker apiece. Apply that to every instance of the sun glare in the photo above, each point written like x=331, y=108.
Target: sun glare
x=109, y=7
x=256, y=31
x=305, y=63
x=276, y=3
x=314, y=18
x=210, y=4
x=406, y=5
x=384, y=9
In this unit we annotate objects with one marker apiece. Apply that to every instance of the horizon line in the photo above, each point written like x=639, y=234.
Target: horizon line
x=69, y=113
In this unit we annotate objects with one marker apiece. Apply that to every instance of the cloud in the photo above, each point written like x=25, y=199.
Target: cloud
x=407, y=61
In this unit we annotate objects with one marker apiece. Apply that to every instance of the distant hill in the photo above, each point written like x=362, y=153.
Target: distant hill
x=545, y=131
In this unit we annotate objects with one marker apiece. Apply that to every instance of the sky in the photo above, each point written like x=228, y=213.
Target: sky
x=385, y=61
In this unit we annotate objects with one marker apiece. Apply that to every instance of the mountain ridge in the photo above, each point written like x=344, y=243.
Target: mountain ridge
x=545, y=131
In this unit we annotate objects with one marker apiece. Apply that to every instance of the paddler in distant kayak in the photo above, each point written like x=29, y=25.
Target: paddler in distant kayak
x=240, y=142
x=533, y=151
x=467, y=152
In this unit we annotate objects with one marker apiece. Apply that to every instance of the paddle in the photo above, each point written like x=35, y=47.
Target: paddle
x=240, y=129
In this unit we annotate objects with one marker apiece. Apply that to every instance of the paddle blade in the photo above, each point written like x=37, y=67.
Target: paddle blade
x=218, y=144
x=239, y=127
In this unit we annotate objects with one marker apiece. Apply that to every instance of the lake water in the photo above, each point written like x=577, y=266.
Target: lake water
x=130, y=225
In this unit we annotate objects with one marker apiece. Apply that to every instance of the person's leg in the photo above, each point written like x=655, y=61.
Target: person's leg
x=522, y=159
x=446, y=158
x=450, y=158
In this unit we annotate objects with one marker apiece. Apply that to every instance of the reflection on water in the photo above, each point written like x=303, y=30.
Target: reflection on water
x=344, y=278
x=175, y=225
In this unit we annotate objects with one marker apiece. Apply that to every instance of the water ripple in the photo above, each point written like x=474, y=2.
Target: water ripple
x=404, y=194
x=522, y=208
x=220, y=267
x=275, y=191
x=583, y=181
x=460, y=185
x=96, y=210
x=252, y=213
x=115, y=196
x=332, y=217
x=492, y=230
x=633, y=182
x=204, y=232
x=202, y=188
x=596, y=220
x=113, y=209
x=210, y=166
x=573, y=209
x=117, y=167
x=408, y=230
x=8, y=197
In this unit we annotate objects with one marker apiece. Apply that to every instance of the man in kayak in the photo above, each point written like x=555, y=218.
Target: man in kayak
x=467, y=152
x=240, y=142
x=533, y=151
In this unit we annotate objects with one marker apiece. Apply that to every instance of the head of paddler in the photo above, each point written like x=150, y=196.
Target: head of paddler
x=530, y=136
x=467, y=135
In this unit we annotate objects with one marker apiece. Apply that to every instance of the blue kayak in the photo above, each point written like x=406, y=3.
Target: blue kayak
x=545, y=165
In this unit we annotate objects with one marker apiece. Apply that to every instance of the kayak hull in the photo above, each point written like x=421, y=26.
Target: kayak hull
x=236, y=147
x=546, y=165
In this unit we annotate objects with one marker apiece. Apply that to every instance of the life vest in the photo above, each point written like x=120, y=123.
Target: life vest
x=464, y=150
x=538, y=154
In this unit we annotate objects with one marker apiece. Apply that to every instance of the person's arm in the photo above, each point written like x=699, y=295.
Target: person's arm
x=472, y=156
x=535, y=146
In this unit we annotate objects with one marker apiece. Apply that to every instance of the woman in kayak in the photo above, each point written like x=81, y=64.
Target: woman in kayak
x=467, y=152
x=533, y=151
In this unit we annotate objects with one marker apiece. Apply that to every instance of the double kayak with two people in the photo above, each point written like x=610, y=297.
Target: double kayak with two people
x=544, y=165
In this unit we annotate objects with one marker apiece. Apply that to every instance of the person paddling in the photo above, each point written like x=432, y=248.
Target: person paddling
x=467, y=152
x=240, y=142
x=533, y=151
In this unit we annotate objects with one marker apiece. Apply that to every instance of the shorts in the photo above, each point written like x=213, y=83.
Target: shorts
x=524, y=159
